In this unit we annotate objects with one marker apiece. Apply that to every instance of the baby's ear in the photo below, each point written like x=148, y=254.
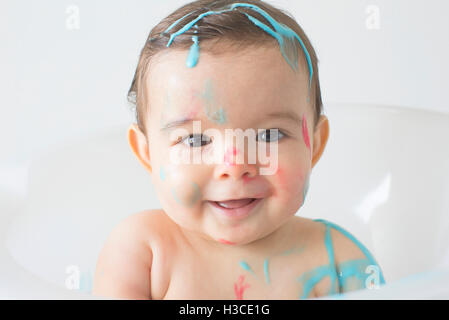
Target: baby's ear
x=138, y=143
x=320, y=137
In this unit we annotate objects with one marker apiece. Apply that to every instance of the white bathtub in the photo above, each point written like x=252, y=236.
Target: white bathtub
x=384, y=177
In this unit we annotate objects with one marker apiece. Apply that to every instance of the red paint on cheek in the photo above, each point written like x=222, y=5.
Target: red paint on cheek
x=288, y=183
x=247, y=179
x=229, y=156
x=305, y=131
x=240, y=287
x=281, y=178
x=226, y=241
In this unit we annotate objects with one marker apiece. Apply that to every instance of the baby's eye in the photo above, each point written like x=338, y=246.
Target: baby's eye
x=270, y=134
x=196, y=140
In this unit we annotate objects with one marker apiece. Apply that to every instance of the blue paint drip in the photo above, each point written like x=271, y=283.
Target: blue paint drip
x=265, y=269
x=281, y=31
x=194, y=53
x=245, y=266
x=174, y=24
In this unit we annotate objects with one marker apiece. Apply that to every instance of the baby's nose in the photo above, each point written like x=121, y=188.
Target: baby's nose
x=234, y=166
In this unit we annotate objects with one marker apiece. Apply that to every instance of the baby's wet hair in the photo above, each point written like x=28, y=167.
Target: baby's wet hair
x=218, y=34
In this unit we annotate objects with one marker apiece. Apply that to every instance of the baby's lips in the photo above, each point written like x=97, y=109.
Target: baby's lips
x=232, y=204
x=238, y=197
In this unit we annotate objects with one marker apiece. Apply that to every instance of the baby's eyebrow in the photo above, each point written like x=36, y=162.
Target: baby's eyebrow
x=289, y=115
x=177, y=123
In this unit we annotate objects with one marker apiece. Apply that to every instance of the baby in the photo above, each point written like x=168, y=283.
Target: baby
x=209, y=72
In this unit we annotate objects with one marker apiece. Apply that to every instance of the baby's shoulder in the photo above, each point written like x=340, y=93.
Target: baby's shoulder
x=152, y=226
x=340, y=244
x=348, y=256
x=345, y=244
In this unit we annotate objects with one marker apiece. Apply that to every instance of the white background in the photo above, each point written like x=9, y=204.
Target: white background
x=58, y=83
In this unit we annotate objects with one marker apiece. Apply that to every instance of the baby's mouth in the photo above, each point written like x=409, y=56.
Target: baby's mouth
x=234, y=204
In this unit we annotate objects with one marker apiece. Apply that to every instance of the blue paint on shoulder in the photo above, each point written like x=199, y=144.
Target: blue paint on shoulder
x=311, y=278
x=355, y=241
x=330, y=251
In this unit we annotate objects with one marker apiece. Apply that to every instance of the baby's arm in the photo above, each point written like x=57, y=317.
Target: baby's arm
x=124, y=263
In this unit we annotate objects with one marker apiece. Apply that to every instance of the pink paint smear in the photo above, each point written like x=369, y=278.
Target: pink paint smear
x=225, y=241
x=305, y=131
x=247, y=179
x=239, y=287
x=229, y=156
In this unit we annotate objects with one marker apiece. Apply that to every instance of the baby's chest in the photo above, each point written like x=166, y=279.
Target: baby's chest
x=270, y=278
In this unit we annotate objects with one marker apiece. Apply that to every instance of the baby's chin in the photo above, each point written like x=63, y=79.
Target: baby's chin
x=211, y=234
x=245, y=236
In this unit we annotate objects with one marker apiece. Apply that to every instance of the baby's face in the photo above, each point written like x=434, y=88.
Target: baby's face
x=237, y=90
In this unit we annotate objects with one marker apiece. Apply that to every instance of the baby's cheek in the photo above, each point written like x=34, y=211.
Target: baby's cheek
x=180, y=186
x=291, y=184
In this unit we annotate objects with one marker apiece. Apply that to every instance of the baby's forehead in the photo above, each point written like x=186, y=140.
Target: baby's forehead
x=256, y=72
x=229, y=87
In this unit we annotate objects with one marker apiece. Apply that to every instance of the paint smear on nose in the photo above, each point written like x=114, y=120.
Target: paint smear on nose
x=229, y=157
x=305, y=131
